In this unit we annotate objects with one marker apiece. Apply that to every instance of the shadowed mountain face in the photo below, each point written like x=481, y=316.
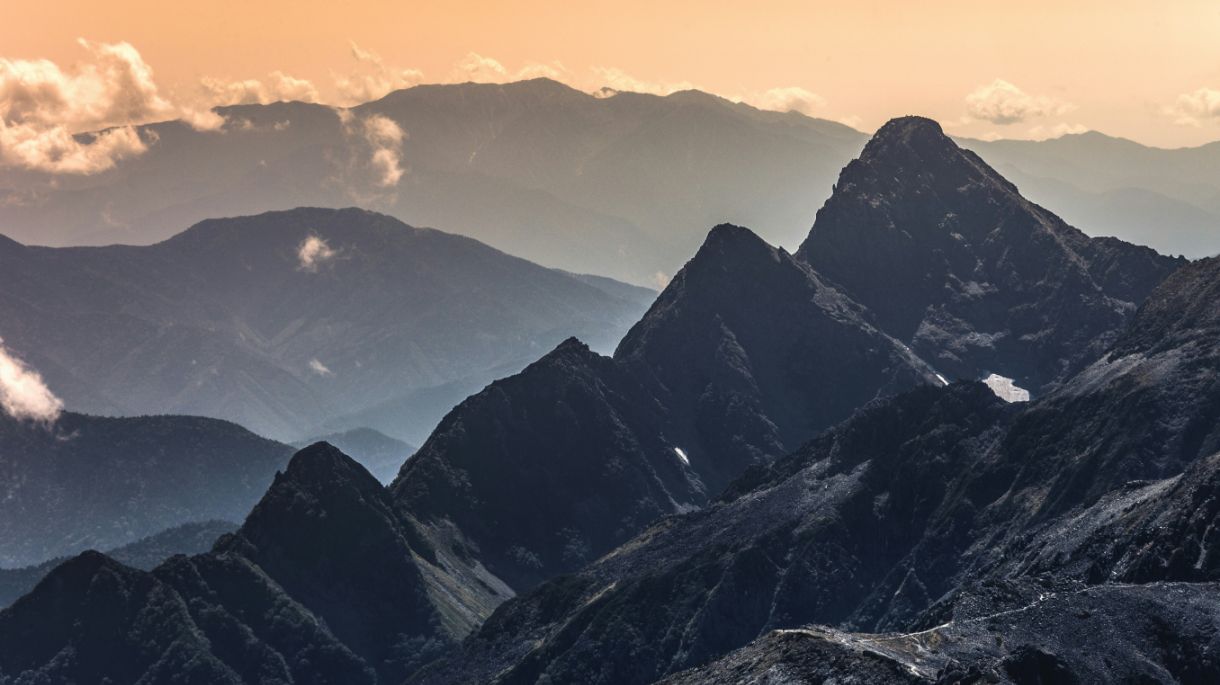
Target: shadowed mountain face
x=92, y=482
x=324, y=583
x=290, y=322
x=976, y=279
x=546, y=471
x=942, y=510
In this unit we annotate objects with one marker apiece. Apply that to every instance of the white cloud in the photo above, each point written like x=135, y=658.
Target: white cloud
x=1041, y=132
x=319, y=368
x=23, y=394
x=1001, y=102
x=1195, y=108
x=385, y=137
x=312, y=252
x=372, y=79
x=278, y=87
x=618, y=80
x=43, y=108
x=481, y=69
x=380, y=138
x=789, y=99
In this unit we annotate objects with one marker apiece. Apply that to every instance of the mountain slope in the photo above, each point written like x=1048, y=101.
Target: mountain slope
x=548, y=470
x=977, y=280
x=939, y=506
x=325, y=582
x=288, y=321
x=93, y=482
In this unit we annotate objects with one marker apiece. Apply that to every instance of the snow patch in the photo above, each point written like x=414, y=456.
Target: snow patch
x=319, y=368
x=1006, y=389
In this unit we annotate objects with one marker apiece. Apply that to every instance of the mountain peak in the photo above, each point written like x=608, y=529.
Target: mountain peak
x=324, y=464
x=910, y=128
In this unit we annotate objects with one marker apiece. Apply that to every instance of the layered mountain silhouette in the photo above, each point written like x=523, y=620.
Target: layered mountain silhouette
x=294, y=323
x=623, y=186
x=767, y=477
x=95, y=482
x=145, y=553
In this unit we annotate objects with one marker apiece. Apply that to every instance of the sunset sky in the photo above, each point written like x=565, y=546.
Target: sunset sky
x=1146, y=71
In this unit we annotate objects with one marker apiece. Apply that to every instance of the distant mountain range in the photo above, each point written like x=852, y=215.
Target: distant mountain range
x=294, y=323
x=145, y=553
x=98, y=483
x=623, y=186
x=788, y=468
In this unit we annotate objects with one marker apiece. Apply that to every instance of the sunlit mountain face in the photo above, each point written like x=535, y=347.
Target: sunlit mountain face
x=540, y=343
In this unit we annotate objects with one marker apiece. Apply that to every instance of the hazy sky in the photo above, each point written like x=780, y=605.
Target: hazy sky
x=1143, y=70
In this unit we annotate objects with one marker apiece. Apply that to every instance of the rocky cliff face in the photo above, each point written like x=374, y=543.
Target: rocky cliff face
x=975, y=278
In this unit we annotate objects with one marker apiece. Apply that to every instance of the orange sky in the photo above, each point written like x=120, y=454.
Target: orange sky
x=1120, y=67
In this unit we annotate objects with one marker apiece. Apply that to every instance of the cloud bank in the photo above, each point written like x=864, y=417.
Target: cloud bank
x=1196, y=108
x=44, y=110
x=1001, y=102
x=278, y=87
x=23, y=394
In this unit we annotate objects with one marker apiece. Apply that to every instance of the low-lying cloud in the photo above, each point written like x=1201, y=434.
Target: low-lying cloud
x=313, y=252
x=277, y=87
x=1003, y=103
x=1196, y=108
x=385, y=137
x=44, y=109
x=615, y=79
x=789, y=99
x=23, y=394
x=372, y=79
x=482, y=69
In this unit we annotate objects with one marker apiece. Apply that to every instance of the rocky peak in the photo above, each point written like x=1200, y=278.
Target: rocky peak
x=972, y=276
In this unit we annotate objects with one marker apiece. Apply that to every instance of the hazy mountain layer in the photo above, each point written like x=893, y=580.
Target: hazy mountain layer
x=291, y=322
x=89, y=482
x=145, y=553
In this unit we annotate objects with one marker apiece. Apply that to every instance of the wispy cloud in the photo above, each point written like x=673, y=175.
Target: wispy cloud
x=1003, y=103
x=385, y=138
x=788, y=99
x=313, y=252
x=616, y=79
x=483, y=69
x=1196, y=108
x=372, y=78
x=277, y=87
x=23, y=394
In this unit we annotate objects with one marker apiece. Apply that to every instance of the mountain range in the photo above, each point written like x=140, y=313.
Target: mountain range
x=294, y=323
x=789, y=470
x=623, y=186
x=98, y=482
